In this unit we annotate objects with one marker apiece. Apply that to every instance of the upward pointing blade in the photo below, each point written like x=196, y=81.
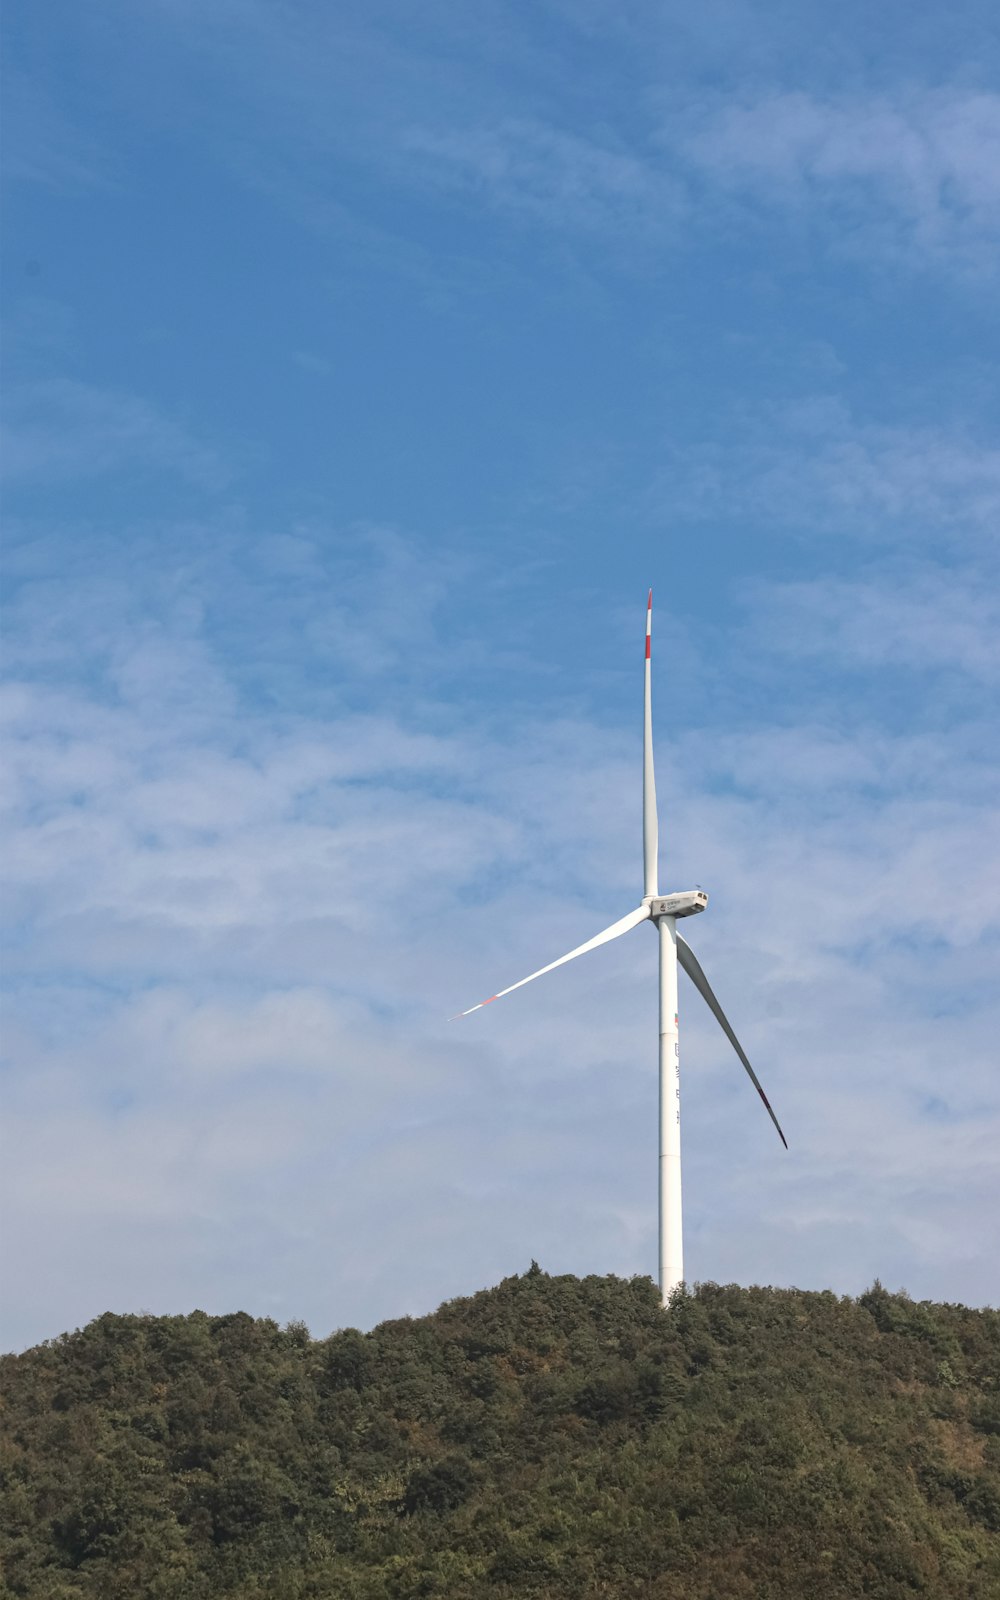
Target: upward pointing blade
x=650, y=827
x=692, y=966
x=640, y=914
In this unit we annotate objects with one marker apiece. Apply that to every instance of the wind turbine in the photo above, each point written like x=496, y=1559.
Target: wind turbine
x=663, y=911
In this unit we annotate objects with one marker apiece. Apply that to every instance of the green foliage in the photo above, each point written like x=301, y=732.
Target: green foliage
x=554, y=1437
x=439, y=1486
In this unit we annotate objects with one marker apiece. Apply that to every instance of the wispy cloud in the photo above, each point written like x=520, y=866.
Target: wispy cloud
x=813, y=466
x=483, y=116
x=563, y=179
x=43, y=145
x=911, y=172
x=63, y=428
x=918, y=621
x=916, y=170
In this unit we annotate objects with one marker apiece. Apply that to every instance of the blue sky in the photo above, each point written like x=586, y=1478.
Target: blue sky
x=364, y=366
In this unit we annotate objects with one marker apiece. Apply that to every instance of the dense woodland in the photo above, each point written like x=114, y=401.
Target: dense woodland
x=552, y=1437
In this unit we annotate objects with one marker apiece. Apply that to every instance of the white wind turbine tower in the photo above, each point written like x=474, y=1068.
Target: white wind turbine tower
x=663, y=911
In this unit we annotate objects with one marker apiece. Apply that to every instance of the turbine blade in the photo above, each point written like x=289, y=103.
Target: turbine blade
x=640, y=914
x=650, y=827
x=692, y=966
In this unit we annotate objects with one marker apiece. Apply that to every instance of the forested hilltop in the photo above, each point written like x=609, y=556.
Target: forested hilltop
x=553, y=1436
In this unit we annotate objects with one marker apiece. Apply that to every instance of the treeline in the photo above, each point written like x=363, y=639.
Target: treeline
x=554, y=1437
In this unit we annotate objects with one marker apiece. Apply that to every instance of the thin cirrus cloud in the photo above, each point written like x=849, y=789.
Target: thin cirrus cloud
x=916, y=169
x=547, y=174
x=44, y=145
x=907, y=167
x=63, y=428
x=936, y=620
x=912, y=171
x=813, y=465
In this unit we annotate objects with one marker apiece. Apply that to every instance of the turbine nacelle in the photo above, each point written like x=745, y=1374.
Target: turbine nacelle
x=684, y=903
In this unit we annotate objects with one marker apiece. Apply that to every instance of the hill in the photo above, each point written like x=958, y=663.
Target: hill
x=552, y=1437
